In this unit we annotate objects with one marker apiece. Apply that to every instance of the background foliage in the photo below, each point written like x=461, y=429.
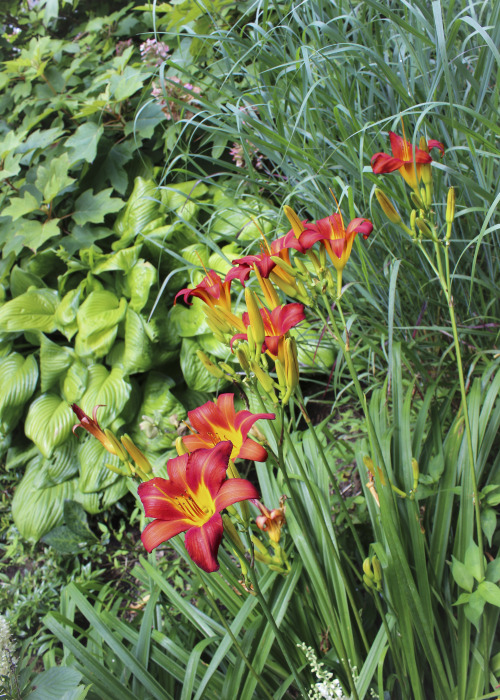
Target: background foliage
x=115, y=180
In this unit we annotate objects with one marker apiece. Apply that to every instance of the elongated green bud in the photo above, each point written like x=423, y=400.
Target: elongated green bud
x=423, y=228
x=416, y=473
x=450, y=212
x=255, y=317
x=280, y=372
x=214, y=370
x=387, y=207
x=417, y=201
x=137, y=455
x=284, y=265
x=263, y=378
x=367, y=569
x=243, y=359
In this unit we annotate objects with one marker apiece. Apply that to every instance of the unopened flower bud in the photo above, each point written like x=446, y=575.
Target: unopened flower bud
x=180, y=447
x=417, y=201
x=450, y=207
x=254, y=315
x=387, y=207
x=243, y=359
x=423, y=228
x=212, y=368
x=137, y=455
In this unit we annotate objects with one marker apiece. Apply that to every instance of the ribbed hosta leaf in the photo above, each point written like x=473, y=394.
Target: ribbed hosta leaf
x=75, y=382
x=98, y=318
x=60, y=467
x=114, y=492
x=54, y=361
x=36, y=511
x=124, y=260
x=49, y=422
x=32, y=311
x=65, y=317
x=139, y=281
x=94, y=475
x=188, y=321
x=138, y=348
x=195, y=374
x=140, y=209
x=108, y=389
x=18, y=378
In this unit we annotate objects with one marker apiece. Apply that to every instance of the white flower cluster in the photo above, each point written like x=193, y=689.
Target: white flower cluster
x=7, y=659
x=328, y=687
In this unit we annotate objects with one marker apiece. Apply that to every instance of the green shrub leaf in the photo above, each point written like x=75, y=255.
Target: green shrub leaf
x=92, y=208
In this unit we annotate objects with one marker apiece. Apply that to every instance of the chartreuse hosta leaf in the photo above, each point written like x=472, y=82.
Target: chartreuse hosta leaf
x=32, y=311
x=135, y=354
x=61, y=466
x=123, y=260
x=98, y=318
x=141, y=208
x=107, y=389
x=189, y=321
x=93, y=457
x=18, y=378
x=195, y=374
x=65, y=317
x=54, y=361
x=183, y=197
x=49, y=422
x=37, y=510
x=139, y=281
x=75, y=382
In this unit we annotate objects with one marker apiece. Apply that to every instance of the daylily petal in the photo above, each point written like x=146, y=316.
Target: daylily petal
x=383, y=163
x=432, y=143
x=399, y=146
x=362, y=226
x=225, y=404
x=208, y=467
x=176, y=470
x=233, y=491
x=252, y=450
x=202, y=543
x=245, y=420
x=157, y=496
x=162, y=530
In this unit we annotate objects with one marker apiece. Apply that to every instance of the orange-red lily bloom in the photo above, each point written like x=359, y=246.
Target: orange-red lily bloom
x=191, y=500
x=92, y=426
x=212, y=290
x=404, y=159
x=280, y=247
x=336, y=239
x=271, y=521
x=276, y=324
x=217, y=422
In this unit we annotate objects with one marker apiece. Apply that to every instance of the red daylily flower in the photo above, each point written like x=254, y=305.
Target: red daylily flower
x=276, y=324
x=217, y=422
x=336, y=239
x=92, y=426
x=403, y=159
x=191, y=500
x=212, y=290
x=280, y=247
